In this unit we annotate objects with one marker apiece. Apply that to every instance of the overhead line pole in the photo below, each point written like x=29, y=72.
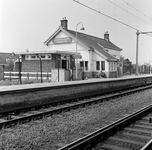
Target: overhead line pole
x=137, y=47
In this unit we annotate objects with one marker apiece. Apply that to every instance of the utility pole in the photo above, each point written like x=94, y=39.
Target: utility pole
x=137, y=47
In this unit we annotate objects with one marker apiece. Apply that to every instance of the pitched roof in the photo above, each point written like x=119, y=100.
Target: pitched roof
x=90, y=41
x=97, y=43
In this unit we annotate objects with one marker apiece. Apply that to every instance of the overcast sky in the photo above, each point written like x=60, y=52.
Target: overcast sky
x=26, y=24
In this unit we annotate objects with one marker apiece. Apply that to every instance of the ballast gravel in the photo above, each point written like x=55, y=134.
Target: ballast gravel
x=60, y=129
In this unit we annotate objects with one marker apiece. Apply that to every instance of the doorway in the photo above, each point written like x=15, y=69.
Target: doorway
x=65, y=64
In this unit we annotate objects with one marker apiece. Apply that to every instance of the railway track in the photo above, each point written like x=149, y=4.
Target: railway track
x=40, y=105
x=23, y=117
x=133, y=132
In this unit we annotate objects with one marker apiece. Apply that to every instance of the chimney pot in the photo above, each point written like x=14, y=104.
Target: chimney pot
x=64, y=23
x=106, y=36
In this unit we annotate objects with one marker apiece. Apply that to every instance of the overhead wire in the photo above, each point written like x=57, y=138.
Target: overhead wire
x=129, y=12
x=137, y=10
x=106, y=15
x=109, y=17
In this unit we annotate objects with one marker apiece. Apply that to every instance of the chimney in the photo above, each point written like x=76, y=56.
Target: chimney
x=106, y=36
x=64, y=23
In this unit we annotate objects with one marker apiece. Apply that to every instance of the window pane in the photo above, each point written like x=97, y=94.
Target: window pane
x=42, y=56
x=102, y=65
x=49, y=56
x=86, y=65
x=81, y=63
x=27, y=57
x=111, y=66
x=33, y=56
x=97, y=65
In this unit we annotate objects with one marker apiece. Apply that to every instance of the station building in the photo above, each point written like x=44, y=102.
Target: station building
x=66, y=47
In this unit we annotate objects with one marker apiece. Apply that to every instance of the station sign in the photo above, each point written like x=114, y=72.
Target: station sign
x=77, y=56
x=64, y=40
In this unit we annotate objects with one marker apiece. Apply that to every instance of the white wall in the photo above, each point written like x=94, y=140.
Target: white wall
x=114, y=53
x=64, y=75
x=65, y=47
x=97, y=57
x=71, y=47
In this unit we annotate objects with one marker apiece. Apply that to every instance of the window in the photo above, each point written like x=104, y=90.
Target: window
x=36, y=57
x=27, y=57
x=49, y=56
x=81, y=64
x=111, y=66
x=86, y=65
x=33, y=56
x=102, y=65
x=116, y=66
x=97, y=65
x=43, y=56
x=65, y=57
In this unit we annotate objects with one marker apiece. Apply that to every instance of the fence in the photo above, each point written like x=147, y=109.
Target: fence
x=27, y=75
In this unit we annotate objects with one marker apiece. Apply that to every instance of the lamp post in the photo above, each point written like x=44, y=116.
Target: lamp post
x=137, y=47
x=40, y=66
x=19, y=67
x=82, y=28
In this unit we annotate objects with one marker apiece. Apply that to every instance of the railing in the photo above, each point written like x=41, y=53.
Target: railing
x=27, y=75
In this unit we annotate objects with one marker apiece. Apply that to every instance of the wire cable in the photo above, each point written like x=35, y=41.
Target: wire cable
x=106, y=15
x=137, y=10
x=110, y=17
x=129, y=12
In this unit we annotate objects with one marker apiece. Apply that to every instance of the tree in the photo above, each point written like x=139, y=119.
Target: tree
x=10, y=65
x=127, y=66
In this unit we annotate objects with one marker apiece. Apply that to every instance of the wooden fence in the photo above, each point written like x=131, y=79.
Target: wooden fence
x=27, y=75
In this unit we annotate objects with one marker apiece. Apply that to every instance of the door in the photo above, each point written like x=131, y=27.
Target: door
x=65, y=64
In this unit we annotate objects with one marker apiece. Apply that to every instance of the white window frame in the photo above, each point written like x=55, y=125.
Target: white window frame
x=103, y=66
x=47, y=57
x=85, y=66
x=98, y=67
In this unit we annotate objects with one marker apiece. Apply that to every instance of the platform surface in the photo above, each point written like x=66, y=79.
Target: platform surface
x=54, y=84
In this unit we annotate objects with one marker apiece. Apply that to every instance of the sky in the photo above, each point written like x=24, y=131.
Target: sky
x=27, y=24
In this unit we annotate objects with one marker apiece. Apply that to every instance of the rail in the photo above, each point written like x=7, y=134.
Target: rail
x=147, y=146
x=105, y=131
